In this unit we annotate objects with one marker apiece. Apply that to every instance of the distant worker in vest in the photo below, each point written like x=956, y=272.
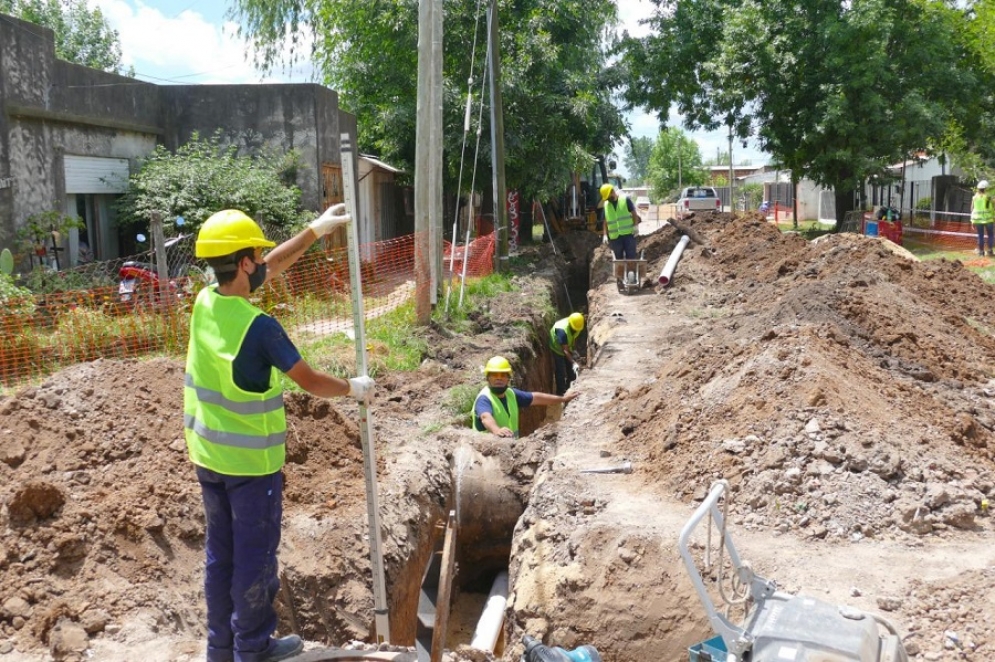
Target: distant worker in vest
x=983, y=218
x=236, y=428
x=495, y=412
x=621, y=220
x=562, y=337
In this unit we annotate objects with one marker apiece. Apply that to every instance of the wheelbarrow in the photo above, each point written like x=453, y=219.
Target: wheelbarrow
x=629, y=273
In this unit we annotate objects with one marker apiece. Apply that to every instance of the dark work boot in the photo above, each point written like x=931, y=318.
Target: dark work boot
x=282, y=648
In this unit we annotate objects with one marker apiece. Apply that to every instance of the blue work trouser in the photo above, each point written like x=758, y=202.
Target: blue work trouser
x=981, y=228
x=564, y=372
x=240, y=577
x=624, y=247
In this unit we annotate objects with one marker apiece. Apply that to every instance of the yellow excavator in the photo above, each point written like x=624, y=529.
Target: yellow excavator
x=580, y=206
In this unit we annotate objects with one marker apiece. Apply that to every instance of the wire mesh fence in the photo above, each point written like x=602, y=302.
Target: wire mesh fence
x=89, y=312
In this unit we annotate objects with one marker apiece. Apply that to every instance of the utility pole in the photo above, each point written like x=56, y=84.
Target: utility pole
x=732, y=198
x=497, y=142
x=428, y=161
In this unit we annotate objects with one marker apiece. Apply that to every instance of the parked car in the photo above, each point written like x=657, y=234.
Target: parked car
x=697, y=198
x=642, y=205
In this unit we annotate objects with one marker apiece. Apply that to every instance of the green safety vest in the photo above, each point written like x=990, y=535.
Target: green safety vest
x=504, y=419
x=563, y=324
x=229, y=430
x=618, y=217
x=981, y=209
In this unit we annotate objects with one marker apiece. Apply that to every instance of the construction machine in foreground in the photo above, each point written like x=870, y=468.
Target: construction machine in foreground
x=776, y=627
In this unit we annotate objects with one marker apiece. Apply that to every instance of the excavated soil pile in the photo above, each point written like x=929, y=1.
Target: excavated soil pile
x=843, y=389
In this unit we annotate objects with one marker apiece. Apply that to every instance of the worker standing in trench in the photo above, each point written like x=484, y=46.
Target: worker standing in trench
x=495, y=412
x=621, y=220
x=562, y=337
x=236, y=429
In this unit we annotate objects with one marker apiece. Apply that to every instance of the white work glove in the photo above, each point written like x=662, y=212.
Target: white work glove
x=330, y=219
x=360, y=387
x=604, y=239
x=576, y=367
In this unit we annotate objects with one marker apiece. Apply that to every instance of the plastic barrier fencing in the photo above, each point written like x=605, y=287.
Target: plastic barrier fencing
x=43, y=333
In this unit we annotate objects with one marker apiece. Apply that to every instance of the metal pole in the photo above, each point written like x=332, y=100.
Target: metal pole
x=380, y=610
x=732, y=197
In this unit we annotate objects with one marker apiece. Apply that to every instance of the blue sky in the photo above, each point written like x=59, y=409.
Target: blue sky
x=190, y=42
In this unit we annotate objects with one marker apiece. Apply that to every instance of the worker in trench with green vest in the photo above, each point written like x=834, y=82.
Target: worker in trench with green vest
x=983, y=218
x=236, y=428
x=562, y=337
x=496, y=407
x=620, y=224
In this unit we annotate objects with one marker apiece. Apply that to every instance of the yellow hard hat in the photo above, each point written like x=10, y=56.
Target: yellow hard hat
x=576, y=321
x=606, y=190
x=497, y=364
x=229, y=231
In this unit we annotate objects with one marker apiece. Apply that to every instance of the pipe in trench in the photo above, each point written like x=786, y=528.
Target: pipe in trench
x=488, y=506
x=668, y=269
x=488, y=630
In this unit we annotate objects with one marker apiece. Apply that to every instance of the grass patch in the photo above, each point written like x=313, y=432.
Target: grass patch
x=477, y=292
x=808, y=229
x=984, y=267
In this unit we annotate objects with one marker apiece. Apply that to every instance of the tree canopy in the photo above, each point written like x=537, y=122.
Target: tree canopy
x=637, y=158
x=556, y=93
x=675, y=162
x=833, y=89
x=204, y=176
x=82, y=35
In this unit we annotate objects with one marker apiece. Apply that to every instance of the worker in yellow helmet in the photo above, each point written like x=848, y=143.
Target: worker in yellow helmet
x=620, y=224
x=562, y=337
x=236, y=428
x=495, y=412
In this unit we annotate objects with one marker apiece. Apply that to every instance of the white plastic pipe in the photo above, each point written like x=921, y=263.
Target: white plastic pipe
x=492, y=618
x=668, y=269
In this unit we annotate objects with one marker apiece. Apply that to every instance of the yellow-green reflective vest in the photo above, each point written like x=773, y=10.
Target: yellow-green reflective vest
x=229, y=430
x=981, y=209
x=563, y=324
x=504, y=419
x=618, y=217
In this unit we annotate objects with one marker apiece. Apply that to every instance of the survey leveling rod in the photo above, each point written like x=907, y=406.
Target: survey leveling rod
x=365, y=427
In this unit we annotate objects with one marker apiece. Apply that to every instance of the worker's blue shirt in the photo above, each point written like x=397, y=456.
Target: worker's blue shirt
x=561, y=337
x=483, y=405
x=266, y=345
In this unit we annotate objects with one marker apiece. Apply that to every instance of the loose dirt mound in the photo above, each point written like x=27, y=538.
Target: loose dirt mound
x=844, y=391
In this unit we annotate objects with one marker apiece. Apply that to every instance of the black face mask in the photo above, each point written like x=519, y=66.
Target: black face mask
x=498, y=390
x=257, y=277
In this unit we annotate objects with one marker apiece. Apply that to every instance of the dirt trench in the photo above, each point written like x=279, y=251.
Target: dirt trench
x=842, y=389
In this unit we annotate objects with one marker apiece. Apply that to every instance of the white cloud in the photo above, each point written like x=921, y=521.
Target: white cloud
x=186, y=48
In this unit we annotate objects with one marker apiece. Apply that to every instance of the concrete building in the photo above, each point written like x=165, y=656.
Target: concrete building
x=71, y=135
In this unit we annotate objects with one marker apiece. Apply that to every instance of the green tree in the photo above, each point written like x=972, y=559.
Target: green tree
x=833, y=90
x=637, y=158
x=82, y=35
x=556, y=91
x=674, y=162
x=204, y=176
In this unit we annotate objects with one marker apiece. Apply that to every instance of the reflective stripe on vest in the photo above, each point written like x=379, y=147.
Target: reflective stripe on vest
x=981, y=209
x=504, y=419
x=229, y=430
x=563, y=324
x=618, y=217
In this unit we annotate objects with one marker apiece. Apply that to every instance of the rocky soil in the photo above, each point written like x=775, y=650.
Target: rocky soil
x=843, y=389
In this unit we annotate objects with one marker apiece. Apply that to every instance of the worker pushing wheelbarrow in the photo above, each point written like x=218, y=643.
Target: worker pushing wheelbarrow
x=620, y=224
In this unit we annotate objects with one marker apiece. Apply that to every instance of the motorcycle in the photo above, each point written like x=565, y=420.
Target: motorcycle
x=139, y=285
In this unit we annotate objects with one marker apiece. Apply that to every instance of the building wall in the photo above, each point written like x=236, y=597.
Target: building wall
x=50, y=108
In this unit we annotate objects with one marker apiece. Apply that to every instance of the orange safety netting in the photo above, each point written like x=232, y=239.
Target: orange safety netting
x=44, y=333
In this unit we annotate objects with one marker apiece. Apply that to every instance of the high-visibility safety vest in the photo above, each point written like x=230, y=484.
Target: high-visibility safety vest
x=981, y=209
x=618, y=217
x=504, y=419
x=229, y=430
x=564, y=325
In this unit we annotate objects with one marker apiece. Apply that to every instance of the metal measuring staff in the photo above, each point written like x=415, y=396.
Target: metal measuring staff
x=380, y=611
